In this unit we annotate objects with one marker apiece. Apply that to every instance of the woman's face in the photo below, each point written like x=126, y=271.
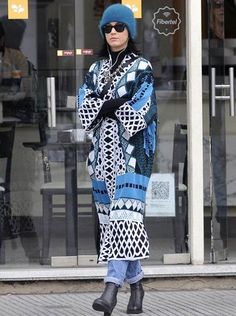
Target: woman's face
x=218, y=10
x=116, y=39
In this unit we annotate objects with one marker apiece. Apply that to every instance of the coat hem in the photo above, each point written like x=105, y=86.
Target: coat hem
x=127, y=258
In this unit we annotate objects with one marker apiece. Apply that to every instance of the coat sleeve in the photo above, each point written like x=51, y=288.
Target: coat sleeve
x=88, y=101
x=136, y=114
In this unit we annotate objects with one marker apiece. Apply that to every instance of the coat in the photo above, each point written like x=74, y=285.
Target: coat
x=121, y=156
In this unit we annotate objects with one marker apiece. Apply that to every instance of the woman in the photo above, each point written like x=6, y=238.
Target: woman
x=117, y=104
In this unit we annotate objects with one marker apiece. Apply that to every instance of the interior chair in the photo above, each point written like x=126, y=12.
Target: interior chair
x=51, y=189
x=179, y=168
x=7, y=135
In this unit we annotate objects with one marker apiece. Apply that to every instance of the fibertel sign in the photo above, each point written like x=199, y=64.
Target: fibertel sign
x=166, y=21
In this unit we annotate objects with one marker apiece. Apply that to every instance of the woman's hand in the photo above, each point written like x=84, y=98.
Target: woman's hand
x=109, y=107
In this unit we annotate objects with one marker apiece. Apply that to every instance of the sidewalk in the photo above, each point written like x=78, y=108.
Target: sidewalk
x=158, y=303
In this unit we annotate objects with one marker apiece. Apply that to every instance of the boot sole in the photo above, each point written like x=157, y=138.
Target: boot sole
x=134, y=312
x=101, y=308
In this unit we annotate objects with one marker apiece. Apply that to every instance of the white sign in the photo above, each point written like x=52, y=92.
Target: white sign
x=160, y=198
x=166, y=21
x=70, y=102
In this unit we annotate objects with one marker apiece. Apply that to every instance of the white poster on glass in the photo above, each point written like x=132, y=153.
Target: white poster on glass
x=160, y=198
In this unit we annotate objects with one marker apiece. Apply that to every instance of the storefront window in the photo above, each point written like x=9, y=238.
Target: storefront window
x=47, y=212
x=219, y=129
x=164, y=45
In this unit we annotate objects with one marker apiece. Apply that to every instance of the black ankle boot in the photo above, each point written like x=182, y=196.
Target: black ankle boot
x=108, y=300
x=135, y=305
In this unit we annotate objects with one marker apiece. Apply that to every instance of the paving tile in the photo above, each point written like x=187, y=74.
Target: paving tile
x=156, y=303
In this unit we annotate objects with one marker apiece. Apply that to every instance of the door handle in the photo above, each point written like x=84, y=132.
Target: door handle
x=231, y=92
x=229, y=97
x=213, y=92
x=51, y=102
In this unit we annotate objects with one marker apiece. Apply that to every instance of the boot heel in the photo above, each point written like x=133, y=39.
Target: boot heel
x=135, y=305
x=108, y=300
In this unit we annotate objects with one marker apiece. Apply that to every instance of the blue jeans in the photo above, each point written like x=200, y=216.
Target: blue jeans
x=124, y=270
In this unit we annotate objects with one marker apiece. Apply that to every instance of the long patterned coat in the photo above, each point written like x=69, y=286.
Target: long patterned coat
x=121, y=156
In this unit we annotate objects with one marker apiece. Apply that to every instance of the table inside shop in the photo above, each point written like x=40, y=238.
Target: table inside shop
x=70, y=164
x=9, y=96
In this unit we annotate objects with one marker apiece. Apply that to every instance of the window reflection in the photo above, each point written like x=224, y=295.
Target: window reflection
x=17, y=98
x=165, y=50
x=217, y=19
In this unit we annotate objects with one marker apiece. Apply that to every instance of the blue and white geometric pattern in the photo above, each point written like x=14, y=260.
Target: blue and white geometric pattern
x=126, y=215
x=132, y=205
x=132, y=120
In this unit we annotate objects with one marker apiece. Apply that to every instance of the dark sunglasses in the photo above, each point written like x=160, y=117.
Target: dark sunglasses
x=218, y=4
x=119, y=27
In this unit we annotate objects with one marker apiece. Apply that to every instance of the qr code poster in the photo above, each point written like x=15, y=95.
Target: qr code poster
x=160, y=199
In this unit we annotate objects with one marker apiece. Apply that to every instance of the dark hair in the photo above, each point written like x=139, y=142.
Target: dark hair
x=2, y=31
x=131, y=48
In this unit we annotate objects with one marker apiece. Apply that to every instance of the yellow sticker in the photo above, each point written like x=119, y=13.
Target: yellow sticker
x=66, y=52
x=59, y=52
x=18, y=9
x=135, y=6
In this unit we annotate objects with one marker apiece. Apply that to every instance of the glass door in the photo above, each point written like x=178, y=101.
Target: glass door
x=37, y=100
x=56, y=90
x=162, y=34
x=220, y=133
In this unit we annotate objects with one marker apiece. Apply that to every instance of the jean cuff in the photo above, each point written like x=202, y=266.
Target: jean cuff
x=118, y=282
x=136, y=278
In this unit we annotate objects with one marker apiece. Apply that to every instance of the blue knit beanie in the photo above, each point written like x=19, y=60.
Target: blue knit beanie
x=119, y=13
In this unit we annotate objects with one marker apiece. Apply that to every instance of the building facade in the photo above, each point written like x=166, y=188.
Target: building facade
x=48, y=218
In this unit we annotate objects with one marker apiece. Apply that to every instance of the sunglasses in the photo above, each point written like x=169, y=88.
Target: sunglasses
x=119, y=27
x=218, y=4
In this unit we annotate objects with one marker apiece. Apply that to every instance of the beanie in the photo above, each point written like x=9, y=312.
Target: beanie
x=119, y=13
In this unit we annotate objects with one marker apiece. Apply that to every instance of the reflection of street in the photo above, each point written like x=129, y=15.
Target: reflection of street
x=9, y=97
x=16, y=76
x=218, y=163
x=219, y=189
x=16, y=97
x=151, y=47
